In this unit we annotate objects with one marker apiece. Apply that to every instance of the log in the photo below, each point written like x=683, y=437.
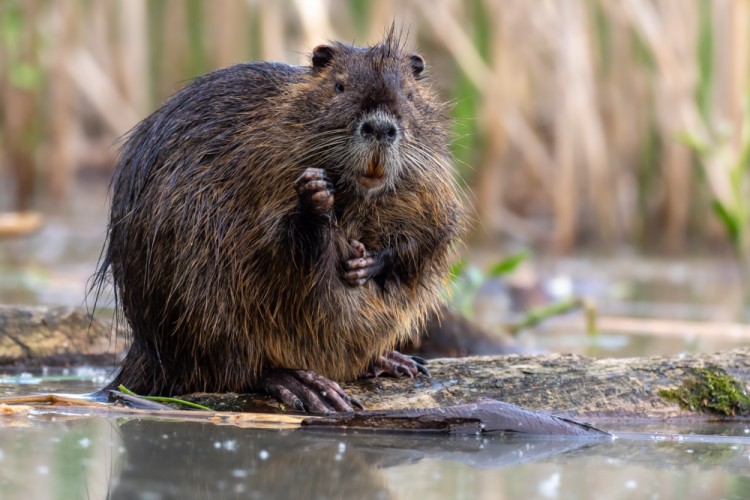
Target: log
x=32, y=336
x=571, y=385
x=699, y=386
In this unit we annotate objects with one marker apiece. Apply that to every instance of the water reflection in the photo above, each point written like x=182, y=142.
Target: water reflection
x=175, y=460
x=99, y=458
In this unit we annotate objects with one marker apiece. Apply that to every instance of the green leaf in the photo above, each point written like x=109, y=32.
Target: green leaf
x=694, y=143
x=11, y=27
x=705, y=46
x=508, y=265
x=730, y=221
x=457, y=268
x=743, y=163
x=25, y=76
x=161, y=399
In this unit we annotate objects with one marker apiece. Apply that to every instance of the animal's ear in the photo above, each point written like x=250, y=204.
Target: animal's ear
x=417, y=65
x=322, y=56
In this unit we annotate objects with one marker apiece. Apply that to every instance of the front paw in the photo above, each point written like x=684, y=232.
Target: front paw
x=362, y=265
x=315, y=190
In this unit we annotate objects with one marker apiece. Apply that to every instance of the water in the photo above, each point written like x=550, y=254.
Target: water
x=79, y=380
x=73, y=457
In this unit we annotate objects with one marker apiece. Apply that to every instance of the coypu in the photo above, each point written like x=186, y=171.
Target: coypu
x=273, y=227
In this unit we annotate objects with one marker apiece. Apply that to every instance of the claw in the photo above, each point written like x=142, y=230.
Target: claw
x=420, y=360
x=305, y=390
x=423, y=370
x=397, y=365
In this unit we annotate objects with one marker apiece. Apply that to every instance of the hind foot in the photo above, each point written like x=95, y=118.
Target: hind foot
x=395, y=364
x=305, y=390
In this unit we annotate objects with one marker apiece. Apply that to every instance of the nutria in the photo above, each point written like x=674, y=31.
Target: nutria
x=274, y=227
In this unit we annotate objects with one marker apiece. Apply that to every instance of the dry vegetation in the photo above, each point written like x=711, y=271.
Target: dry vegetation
x=569, y=113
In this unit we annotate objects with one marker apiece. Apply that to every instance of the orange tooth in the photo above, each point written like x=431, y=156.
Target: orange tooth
x=375, y=168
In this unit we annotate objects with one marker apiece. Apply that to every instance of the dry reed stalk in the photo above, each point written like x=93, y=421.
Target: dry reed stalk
x=20, y=111
x=582, y=147
x=558, y=35
x=272, y=30
x=174, y=60
x=228, y=20
x=455, y=40
x=97, y=36
x=503, y=117
x=63, y=126
x=566, y=176
x=489, y=186
x=668, y=28
x=132, y=55
x=316, y=24
x=101, y=93
x=382, y=13
x=508, y=119
x=627, y=120
x=733, y=26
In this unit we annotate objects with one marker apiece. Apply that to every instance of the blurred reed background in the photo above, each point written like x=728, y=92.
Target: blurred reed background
x=596, y=123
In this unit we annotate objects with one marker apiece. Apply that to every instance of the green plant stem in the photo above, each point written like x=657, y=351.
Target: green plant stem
x=163, y=399
x=535, y=316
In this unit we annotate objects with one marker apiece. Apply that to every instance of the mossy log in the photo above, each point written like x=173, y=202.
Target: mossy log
x=653, y=387
x=696, y=385
x=702, y=386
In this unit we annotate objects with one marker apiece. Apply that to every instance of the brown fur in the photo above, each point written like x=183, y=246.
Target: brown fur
x=217, y=270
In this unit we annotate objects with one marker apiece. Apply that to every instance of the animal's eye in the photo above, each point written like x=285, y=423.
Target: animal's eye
x=339, y=88
x=410, y=96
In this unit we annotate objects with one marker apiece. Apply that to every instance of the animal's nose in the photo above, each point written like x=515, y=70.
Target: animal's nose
x=379, y=128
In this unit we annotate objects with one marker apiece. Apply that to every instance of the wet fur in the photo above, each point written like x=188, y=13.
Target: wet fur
x=218, y=271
